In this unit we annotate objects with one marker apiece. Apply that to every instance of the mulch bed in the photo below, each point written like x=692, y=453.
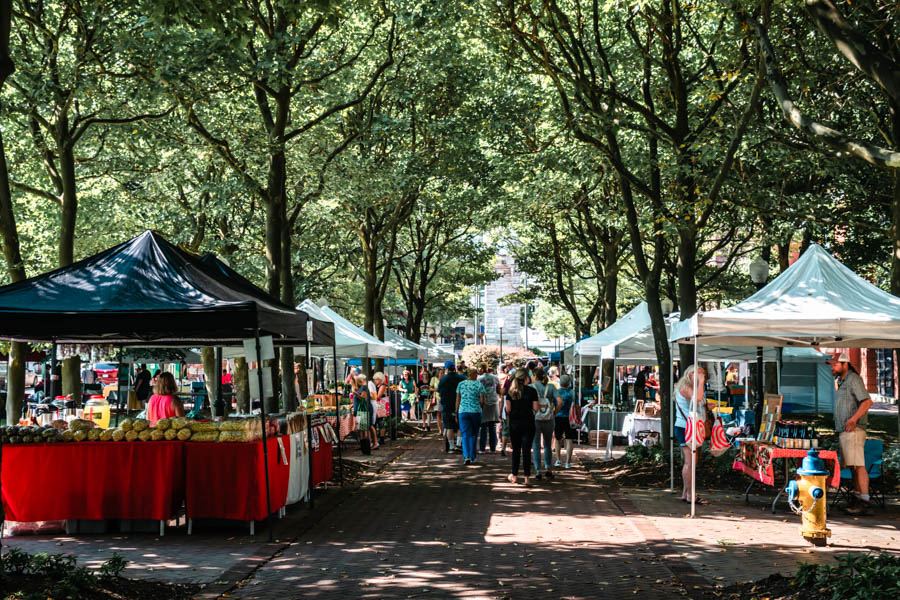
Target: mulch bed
x=620, y=473
x=19, y=586
x=773, y=587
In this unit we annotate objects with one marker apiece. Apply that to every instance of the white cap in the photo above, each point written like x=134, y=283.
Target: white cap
x=843, y=357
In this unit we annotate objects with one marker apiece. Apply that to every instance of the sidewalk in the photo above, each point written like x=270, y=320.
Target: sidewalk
x=425, y=526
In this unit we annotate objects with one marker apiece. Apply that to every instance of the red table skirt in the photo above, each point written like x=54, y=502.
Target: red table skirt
x=238, y=491
x=321, y=460
x=93, y=480
x=758, y=460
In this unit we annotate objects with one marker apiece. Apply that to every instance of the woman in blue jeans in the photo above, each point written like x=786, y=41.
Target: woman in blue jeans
x=469, y=404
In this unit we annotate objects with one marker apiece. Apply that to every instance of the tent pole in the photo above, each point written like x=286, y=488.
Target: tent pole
x=52, y=379
x=694, y=436
x=118, y=387
x=265, y=443
x=220, y=398
x=671, y=417
x=337, y=408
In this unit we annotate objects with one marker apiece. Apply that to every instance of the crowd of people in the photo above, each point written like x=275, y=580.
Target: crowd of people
x=521, y=412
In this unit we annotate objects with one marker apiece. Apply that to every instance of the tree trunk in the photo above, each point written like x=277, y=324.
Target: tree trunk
x=241, y=381
x=71, y=377
x=784, y=254
x=69, y=197
x=9, y=234
x=663, y=356
x=208, y=356
x=687, y=286
x=286, y=357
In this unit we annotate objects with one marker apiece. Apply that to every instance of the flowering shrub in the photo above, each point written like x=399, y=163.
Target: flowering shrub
x=490, y=354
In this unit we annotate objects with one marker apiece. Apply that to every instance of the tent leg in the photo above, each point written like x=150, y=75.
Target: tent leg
x=219, y=406
x=262, y=415
x=118, y=387
x=694, y=437
x=51, y=390
x=309, y=483
x=671, y=421
x=337, y=408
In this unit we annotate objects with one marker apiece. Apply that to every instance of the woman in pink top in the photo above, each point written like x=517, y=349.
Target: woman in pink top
x=164, y=404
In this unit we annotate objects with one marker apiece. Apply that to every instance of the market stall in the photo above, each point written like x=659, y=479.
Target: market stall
x=180, y=301
x=816, y=302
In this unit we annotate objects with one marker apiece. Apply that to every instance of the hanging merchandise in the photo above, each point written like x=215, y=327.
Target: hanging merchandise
x=718, y=442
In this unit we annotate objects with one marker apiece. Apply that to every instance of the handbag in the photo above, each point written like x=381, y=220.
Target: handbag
x=695, y=429
x=574, y=415
x=718, y=441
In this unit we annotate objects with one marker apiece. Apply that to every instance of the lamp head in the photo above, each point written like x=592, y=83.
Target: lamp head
x=500, y=323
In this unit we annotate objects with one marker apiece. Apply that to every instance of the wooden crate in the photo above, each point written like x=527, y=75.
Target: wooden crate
x=603, y=436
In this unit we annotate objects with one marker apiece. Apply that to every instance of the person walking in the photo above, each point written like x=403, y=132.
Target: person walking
x=362, y=410
x=521, y=404
x=469, y=404
x=447, y=393
x=544, y=423
x=408, y=394
x=684, y=392
x=563, y=432
x=490, y=416
x=435, y=404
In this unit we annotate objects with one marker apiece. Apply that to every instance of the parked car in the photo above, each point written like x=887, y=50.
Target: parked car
x=106, y=372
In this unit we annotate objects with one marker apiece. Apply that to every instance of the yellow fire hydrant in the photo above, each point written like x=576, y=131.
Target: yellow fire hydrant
x=810, y=491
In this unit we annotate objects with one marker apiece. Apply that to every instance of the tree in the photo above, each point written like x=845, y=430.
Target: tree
x=297, y=68
x=69, y=87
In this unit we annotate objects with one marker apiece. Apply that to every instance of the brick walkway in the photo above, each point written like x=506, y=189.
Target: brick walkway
x=426, y=527
x=430, y=528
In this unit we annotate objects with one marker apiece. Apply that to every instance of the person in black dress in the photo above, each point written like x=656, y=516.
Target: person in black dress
x=142, y=386
x=521, y=404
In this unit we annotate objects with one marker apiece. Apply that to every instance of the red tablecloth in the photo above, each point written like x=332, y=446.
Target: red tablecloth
x=93, y=480
x=228, y=481
x=322, y=465
x=757, y=460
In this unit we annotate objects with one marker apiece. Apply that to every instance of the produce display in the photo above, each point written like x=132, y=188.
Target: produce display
x=139, y=430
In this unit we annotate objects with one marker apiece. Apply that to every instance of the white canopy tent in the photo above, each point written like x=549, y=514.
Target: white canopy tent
x=437, y=354
x=630, y=341
x=817, y=301
x=351, y=341
x=405, y=348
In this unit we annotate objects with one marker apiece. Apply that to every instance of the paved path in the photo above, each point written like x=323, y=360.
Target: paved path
x=427, y=527
x=431, y=528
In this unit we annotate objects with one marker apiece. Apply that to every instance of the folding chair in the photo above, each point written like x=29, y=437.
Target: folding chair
x=872, y=452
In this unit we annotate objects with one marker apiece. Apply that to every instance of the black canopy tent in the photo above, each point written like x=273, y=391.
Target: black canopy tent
x=147, y=291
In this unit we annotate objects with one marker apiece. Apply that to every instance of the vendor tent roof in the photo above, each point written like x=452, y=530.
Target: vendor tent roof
x=630, y=340
x=323, y=329
x=436, y=353
x=405, y=348
x=817, y=301
x=144, y=291
x=351, y=341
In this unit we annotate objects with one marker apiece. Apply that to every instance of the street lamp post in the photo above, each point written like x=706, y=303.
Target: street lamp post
x=759, y=274
x=500, y=324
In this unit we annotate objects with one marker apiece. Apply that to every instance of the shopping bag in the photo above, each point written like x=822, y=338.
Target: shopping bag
x=575, y=416
x=695, y=430
x=718, y=441
x=362, y=419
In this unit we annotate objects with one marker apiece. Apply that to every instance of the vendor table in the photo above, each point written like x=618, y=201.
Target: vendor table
x=322, y=467
x=227, y=480
x=757, y=459
x=93, y=480
x=635, y=423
